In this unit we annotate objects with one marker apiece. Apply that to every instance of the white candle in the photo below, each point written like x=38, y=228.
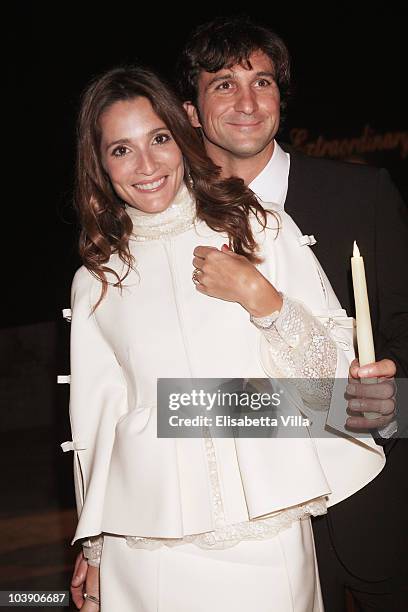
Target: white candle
x=365, y=343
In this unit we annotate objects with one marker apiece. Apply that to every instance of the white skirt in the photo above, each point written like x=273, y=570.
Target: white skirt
x=273, y=575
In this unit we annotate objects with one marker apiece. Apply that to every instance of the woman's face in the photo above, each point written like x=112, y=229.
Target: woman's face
x=143, y=161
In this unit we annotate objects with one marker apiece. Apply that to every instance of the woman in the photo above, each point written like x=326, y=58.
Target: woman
x=202, y=523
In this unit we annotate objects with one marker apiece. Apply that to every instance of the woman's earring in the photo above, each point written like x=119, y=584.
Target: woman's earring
x=190, y=180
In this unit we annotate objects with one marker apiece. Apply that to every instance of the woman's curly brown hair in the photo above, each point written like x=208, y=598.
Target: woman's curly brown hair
x=224, y=204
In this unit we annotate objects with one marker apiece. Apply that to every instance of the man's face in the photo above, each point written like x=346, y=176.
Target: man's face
x=238, y=109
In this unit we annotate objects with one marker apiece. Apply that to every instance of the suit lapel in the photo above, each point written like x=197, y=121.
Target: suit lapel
x=312, y=213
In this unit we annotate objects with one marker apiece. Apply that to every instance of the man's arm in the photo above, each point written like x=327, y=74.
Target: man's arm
x=391, y=329
x=392, y=275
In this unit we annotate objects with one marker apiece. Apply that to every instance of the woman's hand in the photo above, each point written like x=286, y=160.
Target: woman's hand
x=92, y=588
x=90, y=606
x=78, y=579
x=225, y=275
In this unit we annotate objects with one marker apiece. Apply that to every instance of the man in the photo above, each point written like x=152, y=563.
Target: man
x=236, y=105
x=234, y=76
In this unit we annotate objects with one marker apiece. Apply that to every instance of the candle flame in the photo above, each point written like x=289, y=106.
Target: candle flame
x=356, y=250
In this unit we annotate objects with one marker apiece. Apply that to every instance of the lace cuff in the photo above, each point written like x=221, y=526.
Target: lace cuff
x=301, y=347
x=389, y=430
x=92, y=549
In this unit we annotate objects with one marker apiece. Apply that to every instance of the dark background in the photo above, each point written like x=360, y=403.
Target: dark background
x=349, y=71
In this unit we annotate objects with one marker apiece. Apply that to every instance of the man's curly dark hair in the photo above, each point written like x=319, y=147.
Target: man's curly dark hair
x=224, y=42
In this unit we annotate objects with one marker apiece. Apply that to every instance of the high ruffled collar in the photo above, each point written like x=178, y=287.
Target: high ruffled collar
x=177, y=218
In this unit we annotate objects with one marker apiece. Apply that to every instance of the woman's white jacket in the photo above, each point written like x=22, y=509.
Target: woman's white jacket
x=128, y=481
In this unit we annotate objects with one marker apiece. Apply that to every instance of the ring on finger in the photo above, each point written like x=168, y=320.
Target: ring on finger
x=194, y=277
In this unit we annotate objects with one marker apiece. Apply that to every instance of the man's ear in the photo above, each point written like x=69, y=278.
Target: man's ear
x=192, y=114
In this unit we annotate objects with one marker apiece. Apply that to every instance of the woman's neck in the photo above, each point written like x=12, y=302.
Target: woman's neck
x=177, y=218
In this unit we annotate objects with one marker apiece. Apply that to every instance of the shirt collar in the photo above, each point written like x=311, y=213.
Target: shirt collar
x=271, y=184
x=177, y=218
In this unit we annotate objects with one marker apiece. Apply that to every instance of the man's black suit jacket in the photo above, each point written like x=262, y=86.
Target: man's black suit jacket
x=338, y=203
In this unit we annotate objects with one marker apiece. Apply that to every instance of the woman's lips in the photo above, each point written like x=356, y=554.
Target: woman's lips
x=152, y=186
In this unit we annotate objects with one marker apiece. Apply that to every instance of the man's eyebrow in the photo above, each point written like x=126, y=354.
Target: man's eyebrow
x=231, y=75
x=129, y=141
x=266, y=73
x=221, y=77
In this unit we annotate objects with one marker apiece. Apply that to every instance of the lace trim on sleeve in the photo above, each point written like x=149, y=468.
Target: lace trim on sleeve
x=301, y=347
x=92, y=549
